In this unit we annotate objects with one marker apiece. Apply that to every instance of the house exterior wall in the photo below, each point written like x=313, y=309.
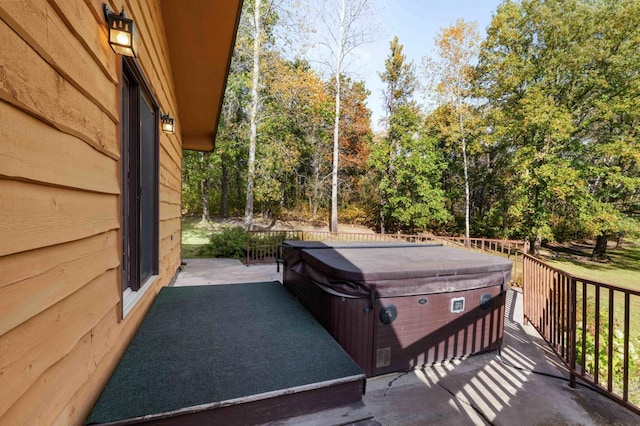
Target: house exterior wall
x=61, y=326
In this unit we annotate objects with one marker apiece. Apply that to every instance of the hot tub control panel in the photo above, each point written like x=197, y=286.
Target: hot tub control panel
x=457, y=305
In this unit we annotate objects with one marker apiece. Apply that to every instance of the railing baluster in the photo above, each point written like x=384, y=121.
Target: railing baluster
x=573, y=305
x=584, y=329
x=610, y=343
x=625, y=379
x=564, y=311
x=596, y=374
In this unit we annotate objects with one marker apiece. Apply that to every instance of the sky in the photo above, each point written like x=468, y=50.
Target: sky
x=415, y=22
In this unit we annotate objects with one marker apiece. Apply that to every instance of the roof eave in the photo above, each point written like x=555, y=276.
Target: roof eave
x=201, y=36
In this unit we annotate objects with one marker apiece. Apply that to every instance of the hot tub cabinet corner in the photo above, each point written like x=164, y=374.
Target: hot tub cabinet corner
x=395, y=307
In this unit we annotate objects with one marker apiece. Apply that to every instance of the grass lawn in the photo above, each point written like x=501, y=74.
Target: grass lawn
x=622, y=269
x=195, y=234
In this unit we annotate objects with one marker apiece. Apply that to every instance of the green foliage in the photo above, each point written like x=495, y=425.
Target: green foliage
x=415, y=199
x=562, y=88
x=354, y=214
x=230, y=242
x=601, y=353
x=407, y=165
x=550, y=129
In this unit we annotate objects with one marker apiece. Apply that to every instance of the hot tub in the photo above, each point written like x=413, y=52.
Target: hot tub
x=398, y=306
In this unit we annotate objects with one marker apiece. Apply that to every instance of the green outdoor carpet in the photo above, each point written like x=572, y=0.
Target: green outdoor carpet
x=199, y=345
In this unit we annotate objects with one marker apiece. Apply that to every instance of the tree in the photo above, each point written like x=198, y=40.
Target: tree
x=452, y=79
x=253, y=114
x=198, y=172
x=561, y=83
x=296, y=127
x=408, y=165
x=346, y=27
x=355, y=142
x=263, y=18
x=232, y=134
x=401, y=82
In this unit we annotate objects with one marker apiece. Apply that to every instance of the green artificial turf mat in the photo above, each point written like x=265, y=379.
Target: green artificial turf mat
x=199, y=345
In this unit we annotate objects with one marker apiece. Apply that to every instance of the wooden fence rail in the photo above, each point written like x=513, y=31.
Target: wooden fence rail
x=262, y=246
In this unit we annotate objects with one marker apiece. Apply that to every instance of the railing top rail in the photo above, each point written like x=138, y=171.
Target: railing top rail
x=582, y=279
x=368, y=234
x=482, y=239
x=279, y=231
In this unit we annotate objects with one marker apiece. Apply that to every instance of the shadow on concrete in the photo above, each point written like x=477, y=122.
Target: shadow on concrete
x=524, y=383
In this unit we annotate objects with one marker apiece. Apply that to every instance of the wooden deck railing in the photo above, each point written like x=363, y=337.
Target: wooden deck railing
x=589, y=325
x=262, y=246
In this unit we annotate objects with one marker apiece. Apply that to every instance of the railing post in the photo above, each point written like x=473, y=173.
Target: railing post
x=573, y=306
x=525, y=291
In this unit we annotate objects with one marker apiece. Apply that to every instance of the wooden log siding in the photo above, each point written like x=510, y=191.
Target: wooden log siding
x=30, y=83
x=60, y=159
x=44, y=28
x=61, y=327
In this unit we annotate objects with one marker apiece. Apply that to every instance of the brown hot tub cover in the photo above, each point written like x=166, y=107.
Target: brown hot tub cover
x=389, y=270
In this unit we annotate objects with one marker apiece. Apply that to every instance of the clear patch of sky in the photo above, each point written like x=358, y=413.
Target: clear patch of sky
x=416, y=23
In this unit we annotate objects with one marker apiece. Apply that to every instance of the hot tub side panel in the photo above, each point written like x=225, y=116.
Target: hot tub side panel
x=428, y=332
x=422, y=333
x=310, y=295
x=350, y=321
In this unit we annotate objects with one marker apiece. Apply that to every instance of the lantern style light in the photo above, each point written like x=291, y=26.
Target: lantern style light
x=123, y=35
x=167, y=124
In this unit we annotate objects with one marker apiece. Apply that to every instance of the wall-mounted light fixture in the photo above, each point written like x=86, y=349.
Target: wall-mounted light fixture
x=123, y=35
x=167, y=123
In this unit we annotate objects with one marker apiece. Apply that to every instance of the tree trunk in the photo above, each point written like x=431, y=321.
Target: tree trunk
x=600, y=249
x=382, y=224
x=205, y=187
x=333, y=227
x=316, y=188
x=224, y=196
x=534, y=245
x=205, y=200
x=248, y=210
x=466, y=172
x=382, y=218
x=239, y=184
x=315, y=193
x=619, y=240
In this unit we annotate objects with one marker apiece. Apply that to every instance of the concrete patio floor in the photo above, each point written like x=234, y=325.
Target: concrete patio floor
x=522, y=384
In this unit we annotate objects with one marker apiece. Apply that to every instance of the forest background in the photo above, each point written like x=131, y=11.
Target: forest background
x=529, y=131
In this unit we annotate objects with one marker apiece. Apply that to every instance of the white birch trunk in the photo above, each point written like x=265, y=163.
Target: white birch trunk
x=333, y=227
x=253, y=116
x=466, y=172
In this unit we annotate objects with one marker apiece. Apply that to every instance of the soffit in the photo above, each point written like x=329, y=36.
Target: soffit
x=201, y=35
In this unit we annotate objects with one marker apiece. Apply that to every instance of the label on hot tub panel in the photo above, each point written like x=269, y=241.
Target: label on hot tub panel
x=383, y=357
x=457, y=305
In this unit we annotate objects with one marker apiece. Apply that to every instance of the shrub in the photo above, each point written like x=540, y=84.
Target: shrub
x=354, y=215
x=229, y=242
